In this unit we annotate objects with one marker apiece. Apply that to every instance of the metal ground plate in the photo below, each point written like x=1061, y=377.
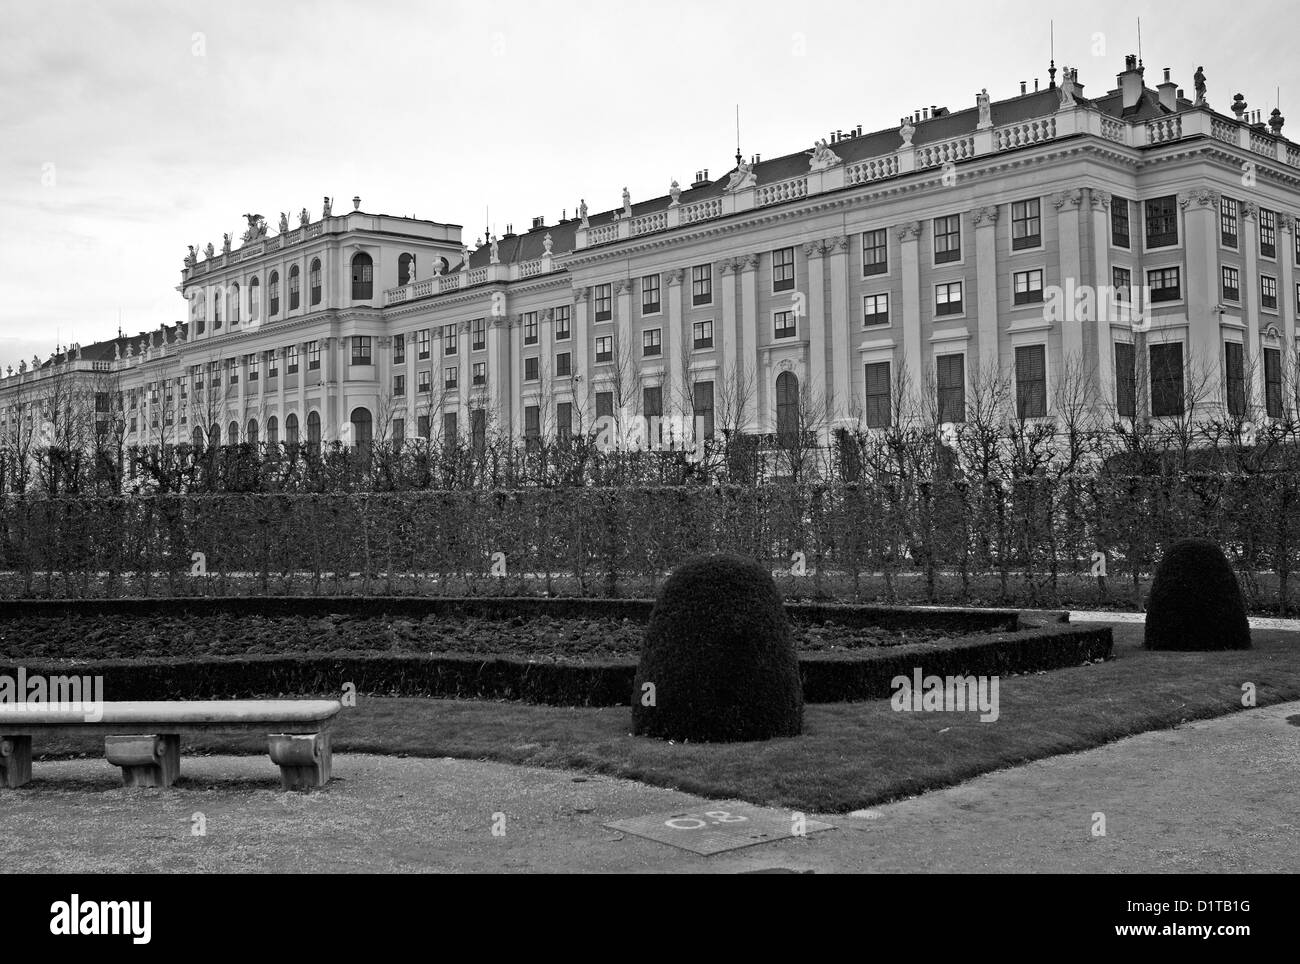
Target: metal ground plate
x=722, y=827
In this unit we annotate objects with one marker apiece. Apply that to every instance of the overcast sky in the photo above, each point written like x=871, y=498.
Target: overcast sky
x=129, y=130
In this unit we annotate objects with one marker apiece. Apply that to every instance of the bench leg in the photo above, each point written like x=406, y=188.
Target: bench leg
x=304, y=760
x=146, y=761
x=15, y=761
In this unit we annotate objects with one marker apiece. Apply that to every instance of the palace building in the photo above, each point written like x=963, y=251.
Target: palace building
x=1125, y=240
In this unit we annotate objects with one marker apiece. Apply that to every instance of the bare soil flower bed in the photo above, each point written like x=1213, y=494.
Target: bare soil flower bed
x=94, y=637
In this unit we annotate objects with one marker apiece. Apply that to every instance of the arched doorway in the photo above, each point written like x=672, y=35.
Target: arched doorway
x=313, y=428
x=362, y=429
x=291, y=429
x=787, y=403
x=272, y=430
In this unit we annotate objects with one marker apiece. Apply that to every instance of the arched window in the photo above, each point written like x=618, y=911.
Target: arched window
x=291, y=429
x=404, y=264
x=273, y=430
x=273, y=292
x=232, y=433
x=313, y=428
x=254, y=293
x=787, y=403
x=216, y=308
x=293, y=287
x=363, y=277
x=313, y=279
x=234, y=304
x=252, y=431
x=361, y=429
x=196, y=437
x=214, y=435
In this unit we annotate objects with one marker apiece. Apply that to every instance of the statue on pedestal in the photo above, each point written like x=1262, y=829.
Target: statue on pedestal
x=225, y=244
x=627, y=202
x=192, y=258
x=495, y=253
x=284, y=222
x=742, y=177
x=547, y=244
x=1198, y=79
x=907, y=130
x=209, y=252
x=304, y=218
x=327, y=207
x=674, y=192
x=984, y=103
x=822, y=157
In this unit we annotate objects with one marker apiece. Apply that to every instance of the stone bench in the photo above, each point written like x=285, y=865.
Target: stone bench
x=144, y=738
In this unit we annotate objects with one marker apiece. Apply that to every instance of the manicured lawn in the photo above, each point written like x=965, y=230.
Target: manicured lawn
x=851, y=755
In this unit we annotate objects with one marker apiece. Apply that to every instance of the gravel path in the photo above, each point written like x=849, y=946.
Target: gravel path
x=1214, y=796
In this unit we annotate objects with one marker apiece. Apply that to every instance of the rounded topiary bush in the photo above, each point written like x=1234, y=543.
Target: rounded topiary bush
x=1195, y=601
x=719, y=656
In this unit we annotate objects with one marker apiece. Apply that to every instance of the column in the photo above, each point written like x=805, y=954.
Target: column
x=986, y=274
x=1099, y=204
x=910, y=270
x=748, y=360
x=466, y=380
x=1201, y=290
x=498, y=371
x=841, y=360
x=514, y=328
x=385, y=403
x=677, y=362
x=550, y=380
x=724, y=328
x=281, y=415
x=1071, y=261
x=815, y=318
x=625, y=349
x=1286, y=295
x=584, y=401
x=1254, y=360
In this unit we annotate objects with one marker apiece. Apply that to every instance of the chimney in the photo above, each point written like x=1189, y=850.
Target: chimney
x=701, y=179
x=1168, y=93
x=539, y=222
x=1024, y=86
x=356, y=203
x=1130, y=82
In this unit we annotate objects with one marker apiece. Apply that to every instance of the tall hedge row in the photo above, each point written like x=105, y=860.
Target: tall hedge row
x=596, y=541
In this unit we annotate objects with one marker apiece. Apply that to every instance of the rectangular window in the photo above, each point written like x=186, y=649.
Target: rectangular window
x=652, y=406
x=562, y=365
x=422, y=426
x=449, y=427
x=1234, y=377
x=877, y=413
x=947, y=299
x=399, y=432
x=947, y=239
x=1031, y=381
x=313, y=280
x=479, y=372
x=875, y=252
x=651, y=342
x=422, y=339
x=650, y=303
x=702, y=285
x=1273, y=382
x=1231, y=284
x=1167, y=379
x=784, y=325
x=1267, y=292
x=450, y=378
x=1162, y=221
x=530, y=369
x=530, y=328
x=361, y=350
x=254, y=368
x=564, y=421
x=563, y=329
x=1267, y=233
x=604, y=404
x=603, y=302
x=532, y=427
x=1121, y=280
x=292, y=359
x=272, y=364
x=1119, y=233
x=702, y=403
x=399, y=386
x=274, y=293
x=1026, y=225
x=1028, y=286
x=1164, y=284
x=1228, y=222
x=232, y=373
x=450, y=342
x=478, y=429
x=783, y=270
x=479, y=328
x=875, y=310
x=1125, y=380
x=293, y=289
x=605, y=348
x=424, y=381
x=951, y=372
x=399, y=349
x=702, y=334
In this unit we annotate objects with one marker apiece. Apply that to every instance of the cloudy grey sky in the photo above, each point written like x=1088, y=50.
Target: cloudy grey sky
x=131, y=128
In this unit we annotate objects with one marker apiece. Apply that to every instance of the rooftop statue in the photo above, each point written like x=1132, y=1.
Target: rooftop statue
x=627, y=202
x=547, y=243
x=464, y=257
x=674, y=191
x=496, y=254
x=907, y=130
x=304, y=218
x=985, y=105
x=822, y=157
x=256, y=227
x=742, y=177
x=225, y=244
x=582, y=213
x=284, y=222
x=325, y=209
x=192, y=258
x=1199, y=80
x=210, y=251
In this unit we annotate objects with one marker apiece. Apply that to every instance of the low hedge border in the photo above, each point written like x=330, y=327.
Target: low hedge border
x=942, y=619
x=827, y=678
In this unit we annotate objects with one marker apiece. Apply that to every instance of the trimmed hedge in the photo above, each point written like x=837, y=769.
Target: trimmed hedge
x=1195, y=602
x=898, y=618
x=718, y=657
x=826, y=679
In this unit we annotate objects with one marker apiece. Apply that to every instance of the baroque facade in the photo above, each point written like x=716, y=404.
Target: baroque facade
x=1125, y=242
